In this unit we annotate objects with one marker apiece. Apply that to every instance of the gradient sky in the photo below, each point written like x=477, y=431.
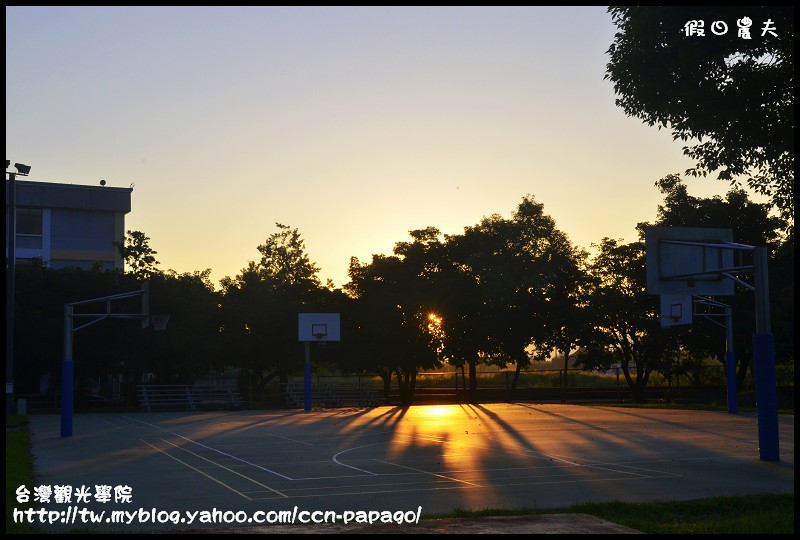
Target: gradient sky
x=353, y=125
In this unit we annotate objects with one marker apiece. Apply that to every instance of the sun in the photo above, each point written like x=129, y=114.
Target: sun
x=437, y=411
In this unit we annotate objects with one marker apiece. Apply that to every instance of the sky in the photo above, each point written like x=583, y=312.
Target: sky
x=353, y=125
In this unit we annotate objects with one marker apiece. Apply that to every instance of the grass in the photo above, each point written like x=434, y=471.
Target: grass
x=755, y=514
x=751, y=514
x=19, y=469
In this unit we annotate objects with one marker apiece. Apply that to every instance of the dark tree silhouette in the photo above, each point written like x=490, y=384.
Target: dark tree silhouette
x=137, y=254
x=731, y=98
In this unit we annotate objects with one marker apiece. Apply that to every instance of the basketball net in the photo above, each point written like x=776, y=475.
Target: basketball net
x=159, y=321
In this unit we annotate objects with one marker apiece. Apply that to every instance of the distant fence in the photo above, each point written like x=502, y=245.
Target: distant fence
x=332, y=395
x=548, y=386
x=542, y=386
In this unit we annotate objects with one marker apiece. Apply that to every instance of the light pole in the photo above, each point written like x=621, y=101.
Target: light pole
x=11, y=258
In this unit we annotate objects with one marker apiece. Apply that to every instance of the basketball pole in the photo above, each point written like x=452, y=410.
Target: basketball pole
x=764, y=368
x=730, y=363
x=67, y=376
x=764, y=363
x=307, y=377
x=319, y=328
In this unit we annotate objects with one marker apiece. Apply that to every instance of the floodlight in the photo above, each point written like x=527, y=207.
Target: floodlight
x=22, y=169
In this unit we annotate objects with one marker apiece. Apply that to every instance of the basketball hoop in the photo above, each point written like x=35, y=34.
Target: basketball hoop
x=320, y=337
x=159, y=321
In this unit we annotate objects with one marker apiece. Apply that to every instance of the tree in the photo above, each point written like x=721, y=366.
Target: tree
x=370, y=331
x=460, y=306
x=782, y=304
x=136, y=252
x=395, y=297
x=751, y=222
x=284, y=260
x=358, y=353
x=515, y=283
x=189, y=348
x=624, y=317
x=733, y=96
x=562, y=284
x=259, y=308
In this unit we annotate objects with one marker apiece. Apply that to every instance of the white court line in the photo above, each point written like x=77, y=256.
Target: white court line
x=369, y=492
x=290, y=440
x=336, y=458
x=611, y=467
x=588, y=463
x=431, y=439
x=215, y=450
x=462, y=483
x=582, y=480
x=116, y=424
x=430, y=473
x=459, y=486
x=226, y=468
x=197, y=470
x=112, y=424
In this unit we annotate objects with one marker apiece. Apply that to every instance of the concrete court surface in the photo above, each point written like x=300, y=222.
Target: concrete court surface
x=428, y=459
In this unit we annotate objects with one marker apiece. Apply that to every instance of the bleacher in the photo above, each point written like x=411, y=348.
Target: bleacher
x=326, y=396
x=184, y=397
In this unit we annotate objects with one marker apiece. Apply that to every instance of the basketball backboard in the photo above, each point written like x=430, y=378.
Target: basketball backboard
x=318, y=326
x=689, y=260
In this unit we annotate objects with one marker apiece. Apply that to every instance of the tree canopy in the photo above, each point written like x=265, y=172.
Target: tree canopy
x=733, y=95
x=136, y=252
x=506, y=291
x=285, y=261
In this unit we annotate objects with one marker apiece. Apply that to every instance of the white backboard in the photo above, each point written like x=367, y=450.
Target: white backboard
x=683, y=260
x=318, y=326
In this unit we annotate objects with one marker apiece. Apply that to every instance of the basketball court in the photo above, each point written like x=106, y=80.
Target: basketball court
x=434, y=459
x=429, y=460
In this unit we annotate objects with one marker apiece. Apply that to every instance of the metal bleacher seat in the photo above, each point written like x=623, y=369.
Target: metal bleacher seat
x=188, y=397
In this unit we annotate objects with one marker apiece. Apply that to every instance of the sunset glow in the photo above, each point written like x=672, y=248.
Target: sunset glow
x=353, y=124
x=437, y=411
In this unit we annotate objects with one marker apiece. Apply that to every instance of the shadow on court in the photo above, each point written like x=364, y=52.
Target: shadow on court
x=212, y=470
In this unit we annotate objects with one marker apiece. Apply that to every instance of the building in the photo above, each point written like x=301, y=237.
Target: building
x=69, y=224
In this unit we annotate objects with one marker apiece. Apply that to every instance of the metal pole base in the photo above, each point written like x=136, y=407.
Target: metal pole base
x=766, y=396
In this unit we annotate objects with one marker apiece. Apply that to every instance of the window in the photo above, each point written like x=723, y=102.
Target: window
x=29, y=229
x=29, y=221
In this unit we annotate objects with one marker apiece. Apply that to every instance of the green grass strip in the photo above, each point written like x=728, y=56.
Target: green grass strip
x=752, y=514
x=19, y=471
